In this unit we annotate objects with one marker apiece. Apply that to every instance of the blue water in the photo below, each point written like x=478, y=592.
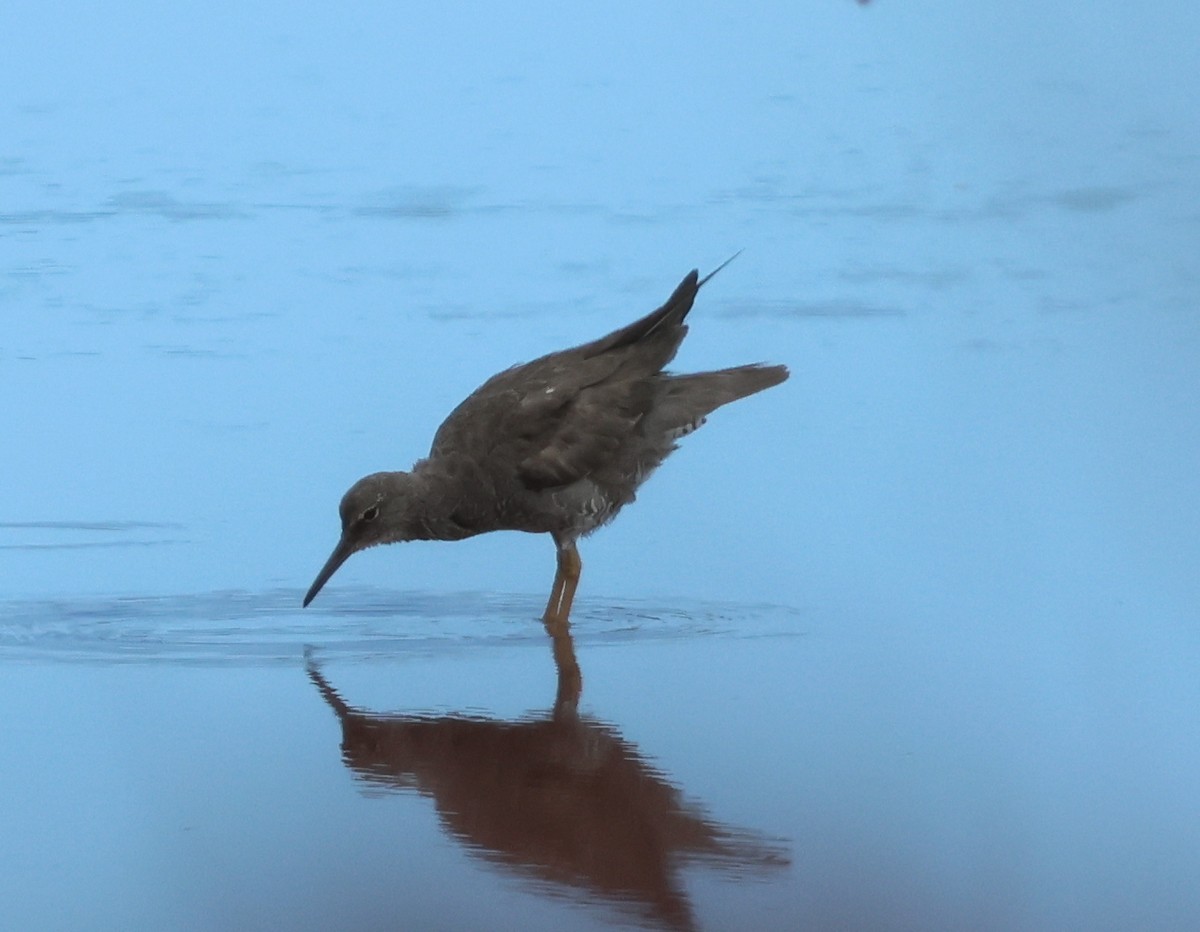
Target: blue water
x=915, y=634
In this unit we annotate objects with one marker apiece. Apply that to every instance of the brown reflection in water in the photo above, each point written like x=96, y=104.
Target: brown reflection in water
x=557, y=797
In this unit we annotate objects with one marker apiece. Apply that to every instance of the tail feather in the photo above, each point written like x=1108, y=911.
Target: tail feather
x=685, y=400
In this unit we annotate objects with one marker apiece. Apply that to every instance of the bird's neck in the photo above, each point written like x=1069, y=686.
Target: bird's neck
x=436, y=497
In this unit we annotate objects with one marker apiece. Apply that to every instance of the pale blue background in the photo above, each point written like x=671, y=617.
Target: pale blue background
x=929, y=610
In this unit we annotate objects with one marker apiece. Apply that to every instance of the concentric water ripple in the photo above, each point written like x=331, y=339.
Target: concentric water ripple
x=238, y=626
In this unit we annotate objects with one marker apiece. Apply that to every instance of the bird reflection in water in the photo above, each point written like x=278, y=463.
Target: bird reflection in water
x=556, y=797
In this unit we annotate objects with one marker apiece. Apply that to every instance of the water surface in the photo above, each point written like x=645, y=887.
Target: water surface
x=907, y=642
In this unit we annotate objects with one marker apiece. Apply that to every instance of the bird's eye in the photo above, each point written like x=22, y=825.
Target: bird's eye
x=371, y=513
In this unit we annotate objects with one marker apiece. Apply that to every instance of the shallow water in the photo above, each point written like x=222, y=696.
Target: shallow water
x=907, y=642
x=237, y=627
x=726, y=768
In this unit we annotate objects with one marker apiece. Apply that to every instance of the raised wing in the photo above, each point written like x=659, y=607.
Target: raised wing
x=553, y=421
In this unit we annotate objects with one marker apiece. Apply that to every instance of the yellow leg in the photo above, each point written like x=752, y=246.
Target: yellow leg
x=555, y=596
x=566, y=580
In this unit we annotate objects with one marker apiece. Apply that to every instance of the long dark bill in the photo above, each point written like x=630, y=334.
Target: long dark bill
x=340, y=554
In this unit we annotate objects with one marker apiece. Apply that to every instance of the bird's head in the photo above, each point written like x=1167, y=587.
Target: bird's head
x=376, y=510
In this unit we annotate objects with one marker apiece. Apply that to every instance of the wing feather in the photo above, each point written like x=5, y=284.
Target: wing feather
x=558, y=419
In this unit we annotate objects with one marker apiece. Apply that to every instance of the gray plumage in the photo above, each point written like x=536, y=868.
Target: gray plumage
x=557, y=445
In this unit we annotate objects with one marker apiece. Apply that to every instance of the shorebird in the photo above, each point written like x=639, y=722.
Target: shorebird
x=555, y=446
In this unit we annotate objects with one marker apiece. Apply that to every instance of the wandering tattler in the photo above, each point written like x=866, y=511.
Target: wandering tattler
x=557, y=446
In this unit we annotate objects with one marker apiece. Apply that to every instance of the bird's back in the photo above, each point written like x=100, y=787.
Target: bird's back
x=532, y=401
x=563, y=442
